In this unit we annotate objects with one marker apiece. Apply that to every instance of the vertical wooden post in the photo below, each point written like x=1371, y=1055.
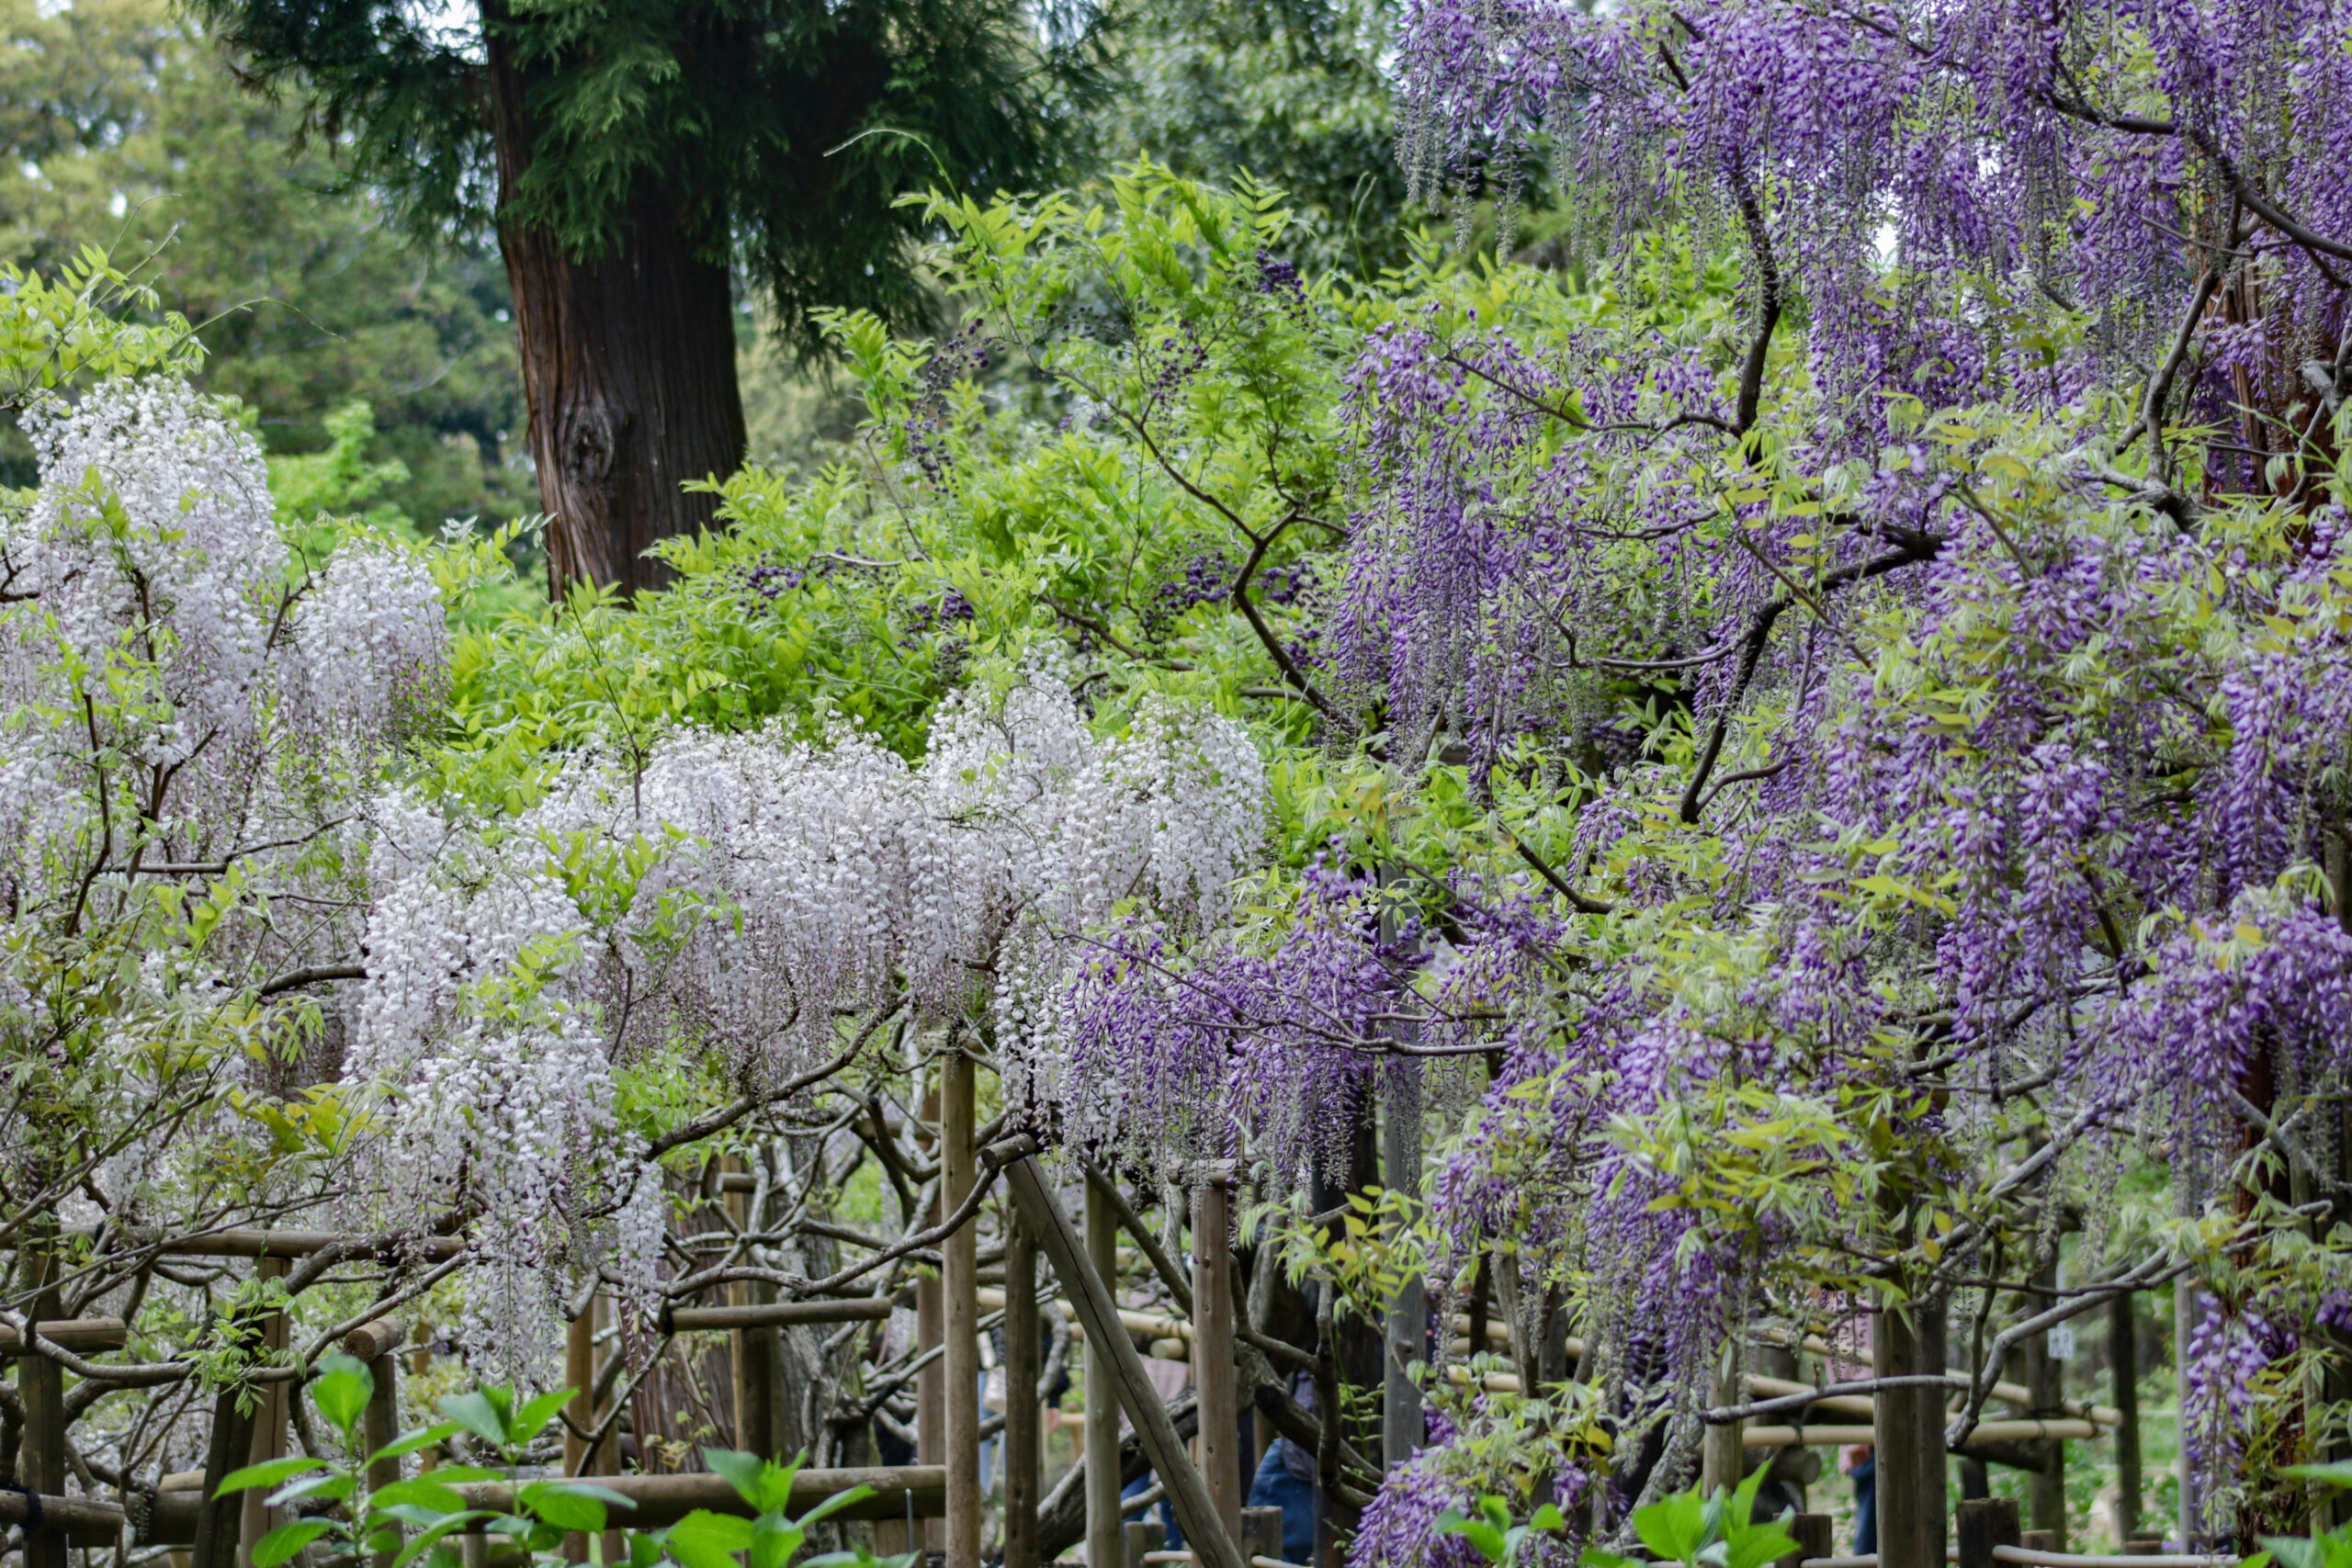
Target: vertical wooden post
x=1902, y=1531
x=1983, y=1524
x=378, y=1344
x=1402, y=1429
x=2046, y=1487
x=1262, y=1534
x=1812, y=1534
x=752, y=1352
x=217, y=1517
x=2184, y=1324
x=1721, y=1455
x=2124, y=1369
x=1136, y=1539
x=1212, y=1336
x=1102, y=1436
x=580, y=1375
x=40, y=1388
x=1932, y=1318
x=1024, y=1363
x=257, y=1519
x=960, y=1282
x=930, y=1330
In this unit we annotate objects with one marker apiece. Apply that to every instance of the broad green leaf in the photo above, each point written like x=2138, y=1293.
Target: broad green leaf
x=705, y=1540
x=774, y=1540
x=286, y=1539
x=409, y=1442
x=334, y=1483
x=834, y=1504
x=341, y=1393
x=477, y=1413
x=425, y=1491
x=269, y=1472
x=538, y=1413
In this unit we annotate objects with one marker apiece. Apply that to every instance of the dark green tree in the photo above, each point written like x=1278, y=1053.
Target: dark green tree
x=123, y=128
x=630, y=157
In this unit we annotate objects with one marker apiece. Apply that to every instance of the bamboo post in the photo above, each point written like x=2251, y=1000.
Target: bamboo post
x=1098, y=1314
x=1213, y=1363
x=256, y=1519
x=1024, y=1459
x=579, y=1415
x=40, y=1388
x=1402, y=1429
x=378, y=1344
x=960, y=1283
x=1102, y=1433
x=2124, y=1369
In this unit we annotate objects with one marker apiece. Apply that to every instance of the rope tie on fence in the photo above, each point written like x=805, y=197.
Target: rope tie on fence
x=32, y=1509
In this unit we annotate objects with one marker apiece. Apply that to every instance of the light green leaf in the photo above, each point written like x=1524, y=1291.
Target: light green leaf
x=286, y=1539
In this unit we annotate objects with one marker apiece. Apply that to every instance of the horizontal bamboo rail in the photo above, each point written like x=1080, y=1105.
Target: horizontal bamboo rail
x=1758, y=1437
x=764, y=1314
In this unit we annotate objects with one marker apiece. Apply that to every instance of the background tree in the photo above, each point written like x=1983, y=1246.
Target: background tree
x=125, y=129
x=628, y=155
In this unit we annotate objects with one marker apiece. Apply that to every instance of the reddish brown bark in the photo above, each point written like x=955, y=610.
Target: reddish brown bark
x=628, y=370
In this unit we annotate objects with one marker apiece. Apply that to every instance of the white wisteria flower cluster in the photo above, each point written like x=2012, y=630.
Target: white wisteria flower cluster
x=735, y=897
x=193, y=720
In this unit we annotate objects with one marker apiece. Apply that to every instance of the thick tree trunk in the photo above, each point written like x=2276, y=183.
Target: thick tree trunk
x=628, y=370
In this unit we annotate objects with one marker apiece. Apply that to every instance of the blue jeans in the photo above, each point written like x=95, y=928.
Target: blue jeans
x=1865, y=1476
x=1174, y=1537
x=1275, y=1488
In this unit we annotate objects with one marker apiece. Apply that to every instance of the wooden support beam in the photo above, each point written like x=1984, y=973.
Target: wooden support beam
x=1100, y=1434
x=959, y=1286
x=68, y=1522
x=1213, y=1363
x=1024, y=1459
x=256, y=1519
x=1058, y=1239
x=239, y=1243
x=83, y=1336
x=661, y=1499
x=213, y=1519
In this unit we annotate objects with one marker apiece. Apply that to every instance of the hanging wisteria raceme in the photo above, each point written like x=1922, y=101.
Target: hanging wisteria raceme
x=731, y=898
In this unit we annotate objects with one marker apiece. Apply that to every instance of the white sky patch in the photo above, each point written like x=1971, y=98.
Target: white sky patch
x=453, y=25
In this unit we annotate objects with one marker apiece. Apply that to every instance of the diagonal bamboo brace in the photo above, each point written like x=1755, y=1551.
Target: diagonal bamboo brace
x=1099, y=1316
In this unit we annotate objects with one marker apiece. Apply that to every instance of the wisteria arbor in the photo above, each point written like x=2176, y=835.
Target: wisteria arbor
x=1748, y=800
